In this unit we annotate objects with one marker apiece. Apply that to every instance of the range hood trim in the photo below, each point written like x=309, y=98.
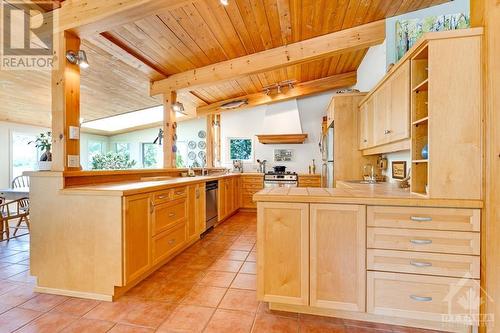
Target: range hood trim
x=282, y=138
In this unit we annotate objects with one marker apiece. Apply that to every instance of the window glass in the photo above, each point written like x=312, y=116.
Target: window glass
x=94, y=148
x=240, y=149
x=24, y=156
x=152, y=155
x=121, y=147
x=182, y=154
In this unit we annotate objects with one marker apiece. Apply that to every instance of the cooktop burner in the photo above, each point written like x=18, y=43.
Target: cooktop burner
x=280, y=173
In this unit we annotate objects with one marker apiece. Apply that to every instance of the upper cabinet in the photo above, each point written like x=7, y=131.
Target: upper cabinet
x=385, y=112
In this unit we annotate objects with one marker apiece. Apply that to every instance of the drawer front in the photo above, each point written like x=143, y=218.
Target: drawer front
x=421, y=297
x=162, y=196
x=253, y=186
x=168, y=242
x=247, y=202
x=168, y=215
x=180, y=192
x=247, y=191
x=252, y=179
x=451, y=265
x=309, y=184
x=424, y=218
x=424, y=240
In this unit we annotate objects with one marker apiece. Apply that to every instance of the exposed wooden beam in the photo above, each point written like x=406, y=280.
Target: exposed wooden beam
x=339, y=42
x=65, y=104
x=302, y=89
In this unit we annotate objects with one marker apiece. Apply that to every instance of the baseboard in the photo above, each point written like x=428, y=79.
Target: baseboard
x=73, y=293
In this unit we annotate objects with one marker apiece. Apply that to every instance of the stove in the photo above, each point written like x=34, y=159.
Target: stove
x=281, y=179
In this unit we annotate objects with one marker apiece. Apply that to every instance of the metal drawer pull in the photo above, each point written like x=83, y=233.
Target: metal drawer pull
x=171, y=215
x=421, y=298
x=179, y=193
x=421, y=219
x=421, y=241
x=172, y=241
x=162, y=196
x=420, y=264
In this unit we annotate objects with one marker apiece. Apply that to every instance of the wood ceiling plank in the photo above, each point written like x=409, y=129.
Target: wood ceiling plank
x=285, y=21
x=320, y=47
x=362, y=12
x=350, y=15
x=173, y=25
x=303, y=89
x=307, y=19
x=340, y=15
x=250, y=22
x=238, y=23
x=274, y=22
x=259, y=12
x=217, y=20
x=296, y=20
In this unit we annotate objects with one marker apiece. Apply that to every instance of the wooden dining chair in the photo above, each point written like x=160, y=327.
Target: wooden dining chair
x=21, y=181
x=15, y=210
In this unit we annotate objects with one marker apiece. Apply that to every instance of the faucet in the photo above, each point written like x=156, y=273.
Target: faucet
x=204, y=171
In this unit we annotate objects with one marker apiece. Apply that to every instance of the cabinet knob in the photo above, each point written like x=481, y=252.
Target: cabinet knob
x=365, y=141
x=387, y=132
x=421, y=241
x=172, y=241
x=171, y=215
x=421, y=219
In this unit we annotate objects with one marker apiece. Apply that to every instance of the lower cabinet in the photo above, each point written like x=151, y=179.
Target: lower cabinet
x=283, y=253
x=338, y=269
x=137, y=235
x=168, y=242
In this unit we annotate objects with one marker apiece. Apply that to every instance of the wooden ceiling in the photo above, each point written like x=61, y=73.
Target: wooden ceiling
x=194, y=34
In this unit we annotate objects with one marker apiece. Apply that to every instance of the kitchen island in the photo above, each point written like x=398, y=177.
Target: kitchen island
x=97, y=239
x=370, y=252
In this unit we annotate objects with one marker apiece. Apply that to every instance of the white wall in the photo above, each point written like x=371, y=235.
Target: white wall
x=250, y=122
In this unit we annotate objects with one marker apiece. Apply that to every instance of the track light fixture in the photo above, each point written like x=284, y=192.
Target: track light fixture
x=178, y=107
x=224, y=2
x=78, y=58
x=290, y=84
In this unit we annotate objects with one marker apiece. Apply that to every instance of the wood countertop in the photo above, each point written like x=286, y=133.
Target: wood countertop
x=361, y=194
x=137, y=187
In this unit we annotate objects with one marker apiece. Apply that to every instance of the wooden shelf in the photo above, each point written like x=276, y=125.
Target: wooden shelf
x=423, y=86
x=420, y=121
x=420, y=161
x=282, y=138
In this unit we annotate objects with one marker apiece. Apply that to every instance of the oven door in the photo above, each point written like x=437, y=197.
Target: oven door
x=273, y=184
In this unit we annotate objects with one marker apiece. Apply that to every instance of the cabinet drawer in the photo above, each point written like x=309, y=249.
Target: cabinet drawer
x=162, y=196
x=247, y=202
x=421, y=297
x=424, y=240
x=253, y=186
x=252, y=179
x=168, y=215
x=424, y=218
x=424, y=263
x=168, y=242
x=179, y=192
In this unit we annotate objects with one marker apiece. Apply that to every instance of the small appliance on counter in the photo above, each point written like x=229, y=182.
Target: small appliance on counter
x=237, y=166
x=262, y=166
x=279, y=169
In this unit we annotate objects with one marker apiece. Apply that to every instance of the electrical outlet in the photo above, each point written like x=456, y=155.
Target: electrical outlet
x=74, y=133
x=73, y=161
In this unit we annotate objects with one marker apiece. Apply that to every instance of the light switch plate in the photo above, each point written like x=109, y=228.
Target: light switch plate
x=74, y=133
x=73, y=161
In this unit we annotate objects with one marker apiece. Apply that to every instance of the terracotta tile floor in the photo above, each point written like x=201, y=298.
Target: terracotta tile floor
x=208, y=288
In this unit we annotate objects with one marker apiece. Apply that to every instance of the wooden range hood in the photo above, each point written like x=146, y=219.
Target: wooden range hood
x=277, y=139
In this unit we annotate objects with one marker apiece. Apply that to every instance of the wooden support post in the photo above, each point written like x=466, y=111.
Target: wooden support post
x=65, y=102
x=169, y=130
x=210, y=141
x=487, y=13
x=217, y=136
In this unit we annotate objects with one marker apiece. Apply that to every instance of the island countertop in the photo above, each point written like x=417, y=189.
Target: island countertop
x=143, y=186
x=361, y=194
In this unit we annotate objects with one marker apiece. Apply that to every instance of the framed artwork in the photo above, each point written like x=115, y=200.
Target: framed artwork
x=240, y=149
x=283, y=155
x=399, y=169
x=408, y=32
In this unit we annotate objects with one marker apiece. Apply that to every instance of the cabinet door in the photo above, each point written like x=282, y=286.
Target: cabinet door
x=381, y=106
x=399, y=126
x=338, y=251
x=363, y=126
x=222, y=199
x=200, y=208
x=192, y=211
x=229, y=196
x=137, y=236
x=283, y=253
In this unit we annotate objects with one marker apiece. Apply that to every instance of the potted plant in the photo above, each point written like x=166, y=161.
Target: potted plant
x=44, y=143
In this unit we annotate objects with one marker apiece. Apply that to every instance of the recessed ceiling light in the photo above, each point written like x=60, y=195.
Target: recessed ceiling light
x=224, y=2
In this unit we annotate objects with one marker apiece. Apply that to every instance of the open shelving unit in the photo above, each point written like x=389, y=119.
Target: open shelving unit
x=420, y=122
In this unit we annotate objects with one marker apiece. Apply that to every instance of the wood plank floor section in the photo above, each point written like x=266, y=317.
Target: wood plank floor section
x=208, y=288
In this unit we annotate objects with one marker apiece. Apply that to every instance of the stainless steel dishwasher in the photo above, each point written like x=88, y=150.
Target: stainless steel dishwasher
x=211, y=204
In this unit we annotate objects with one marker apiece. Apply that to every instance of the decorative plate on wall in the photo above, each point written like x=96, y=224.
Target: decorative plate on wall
x=192, y=145
x=192, y=155
x=202, y=134
x=202, y=145
x=202, y=155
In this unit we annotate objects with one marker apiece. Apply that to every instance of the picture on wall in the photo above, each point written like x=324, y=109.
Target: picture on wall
x=283, y=155
x=399, y=169
x=240, y=149
x=408, y=32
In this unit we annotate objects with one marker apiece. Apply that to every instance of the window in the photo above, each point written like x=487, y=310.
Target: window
x=121, y=147
x=24, y=156
x=152, y=155
x=94, y=148
x=240, y=149
x=182, y=155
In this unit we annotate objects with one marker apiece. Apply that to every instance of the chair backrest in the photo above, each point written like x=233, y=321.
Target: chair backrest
x=21, y=181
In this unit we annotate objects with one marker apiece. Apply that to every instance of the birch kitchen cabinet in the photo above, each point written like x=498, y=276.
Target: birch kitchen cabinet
x=283, y=253
x=228, y=201
x=250, y=184
x=337, y=258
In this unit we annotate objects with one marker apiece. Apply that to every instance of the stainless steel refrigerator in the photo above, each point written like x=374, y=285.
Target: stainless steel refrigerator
x=328, y=158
